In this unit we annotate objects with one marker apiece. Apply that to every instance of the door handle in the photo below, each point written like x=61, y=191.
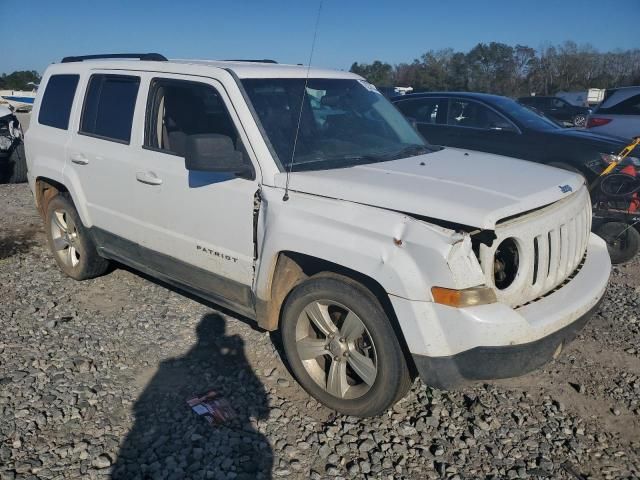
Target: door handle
x=79, y=159
x=149, y=178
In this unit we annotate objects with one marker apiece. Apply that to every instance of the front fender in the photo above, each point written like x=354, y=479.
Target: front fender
x=404, y=255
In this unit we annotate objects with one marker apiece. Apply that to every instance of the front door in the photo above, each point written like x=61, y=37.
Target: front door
x=479, y=127
x=196, y=227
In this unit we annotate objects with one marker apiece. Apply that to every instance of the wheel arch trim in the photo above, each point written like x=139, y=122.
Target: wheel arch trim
x=56, y=184
x=291, y=268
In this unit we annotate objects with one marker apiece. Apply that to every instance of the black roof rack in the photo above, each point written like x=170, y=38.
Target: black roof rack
x=140, y=56
x=264, y=60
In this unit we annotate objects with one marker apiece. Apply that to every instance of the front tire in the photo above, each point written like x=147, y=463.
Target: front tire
x=70, y=243
x=17, y=165
x=342, y=348
x=623, y=240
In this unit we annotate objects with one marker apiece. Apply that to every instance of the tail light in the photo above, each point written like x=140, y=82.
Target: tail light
x=597, y=122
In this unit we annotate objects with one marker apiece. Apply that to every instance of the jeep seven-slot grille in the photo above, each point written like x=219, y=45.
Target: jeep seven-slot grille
x=559, y=251
x=551, y=242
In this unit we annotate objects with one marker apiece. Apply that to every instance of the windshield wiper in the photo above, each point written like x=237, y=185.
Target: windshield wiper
x=336, y=162
x=409, y=151
x=341, y=161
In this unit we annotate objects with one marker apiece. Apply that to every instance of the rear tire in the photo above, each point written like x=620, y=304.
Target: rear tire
x=17, y=165
x=623, y=240
x=70, y=243
x=341, y=346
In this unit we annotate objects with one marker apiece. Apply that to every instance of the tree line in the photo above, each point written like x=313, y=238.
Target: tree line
x=492, y=68
x=510, y=70
x=19, y=80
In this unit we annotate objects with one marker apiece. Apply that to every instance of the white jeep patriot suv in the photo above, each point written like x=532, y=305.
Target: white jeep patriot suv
x=303, y=199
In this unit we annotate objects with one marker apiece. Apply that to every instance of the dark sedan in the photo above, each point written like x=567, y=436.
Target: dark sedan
x=558, y=109
x=495, y=124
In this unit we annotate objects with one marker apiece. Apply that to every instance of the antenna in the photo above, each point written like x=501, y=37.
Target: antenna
x=304, y=93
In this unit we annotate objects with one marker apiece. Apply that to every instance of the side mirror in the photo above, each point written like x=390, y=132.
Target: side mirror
x=212, y=152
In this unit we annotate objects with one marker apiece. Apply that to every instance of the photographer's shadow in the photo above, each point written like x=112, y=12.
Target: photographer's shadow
x=169, y=440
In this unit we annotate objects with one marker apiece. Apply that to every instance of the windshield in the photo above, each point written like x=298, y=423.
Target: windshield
x=524, y=116
x=343, y=123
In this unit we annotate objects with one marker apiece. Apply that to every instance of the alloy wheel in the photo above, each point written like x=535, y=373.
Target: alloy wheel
x=66, y=242
x=336, y=349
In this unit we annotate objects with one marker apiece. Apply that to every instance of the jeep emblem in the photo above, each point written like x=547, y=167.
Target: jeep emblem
x=565, y=188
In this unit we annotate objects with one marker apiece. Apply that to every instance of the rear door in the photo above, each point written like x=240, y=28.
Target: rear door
x=100, y=158
x=49, y=132
x=430, y=116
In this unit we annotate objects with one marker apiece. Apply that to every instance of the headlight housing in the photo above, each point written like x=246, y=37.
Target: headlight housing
x=506, y=263
x=5, y=142
x=609, y=158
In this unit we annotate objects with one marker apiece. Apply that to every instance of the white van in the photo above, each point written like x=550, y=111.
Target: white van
x=303, y=199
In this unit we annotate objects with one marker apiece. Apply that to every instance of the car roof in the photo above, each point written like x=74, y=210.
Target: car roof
x=620, y=94
x=472, y=95
x=243, y=69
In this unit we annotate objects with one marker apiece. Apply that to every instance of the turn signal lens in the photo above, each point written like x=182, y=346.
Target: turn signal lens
x=463, y=298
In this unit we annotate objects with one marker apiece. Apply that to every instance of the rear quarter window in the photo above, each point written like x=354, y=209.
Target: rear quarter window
x=55, y=107
x=109, y=105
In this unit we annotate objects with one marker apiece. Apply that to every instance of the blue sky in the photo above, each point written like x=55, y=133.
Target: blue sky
x=350, y=30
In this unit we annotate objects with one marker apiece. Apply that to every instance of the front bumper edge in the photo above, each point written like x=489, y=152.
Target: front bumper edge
x=487, y=363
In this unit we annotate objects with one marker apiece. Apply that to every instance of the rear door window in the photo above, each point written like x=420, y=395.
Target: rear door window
x=558, y=103
x=425, y=110
x=539, y=102
x=55, y=108
x=108, y=107
x=534, y=101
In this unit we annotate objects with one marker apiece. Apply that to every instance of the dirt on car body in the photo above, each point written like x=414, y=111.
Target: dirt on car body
x=94, y=377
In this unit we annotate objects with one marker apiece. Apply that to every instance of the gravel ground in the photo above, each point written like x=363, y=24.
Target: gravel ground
x=94, y=378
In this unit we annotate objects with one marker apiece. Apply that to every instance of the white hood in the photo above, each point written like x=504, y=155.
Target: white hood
x=465, y=187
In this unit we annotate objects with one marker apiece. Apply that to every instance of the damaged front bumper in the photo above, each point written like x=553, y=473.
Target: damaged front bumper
x=452, y=346
x=10, y=135
x=486, y=363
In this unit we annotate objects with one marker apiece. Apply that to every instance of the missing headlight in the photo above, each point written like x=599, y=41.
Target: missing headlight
x=5, y=142
x=505, y=264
